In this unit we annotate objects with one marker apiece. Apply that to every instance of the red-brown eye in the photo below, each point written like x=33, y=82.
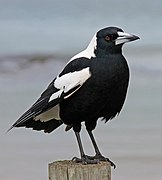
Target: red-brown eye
x=108, y=37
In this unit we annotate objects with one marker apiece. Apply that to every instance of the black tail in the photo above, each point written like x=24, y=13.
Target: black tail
x=48, y=126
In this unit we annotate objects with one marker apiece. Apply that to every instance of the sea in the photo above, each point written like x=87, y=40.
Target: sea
x=37, y=38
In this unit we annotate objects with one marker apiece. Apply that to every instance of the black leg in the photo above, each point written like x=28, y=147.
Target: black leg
x=97, y=151
x=94, y=143
x=82, y=154
x=84, y=158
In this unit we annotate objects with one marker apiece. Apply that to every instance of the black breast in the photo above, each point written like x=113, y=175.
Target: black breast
x=102, y=95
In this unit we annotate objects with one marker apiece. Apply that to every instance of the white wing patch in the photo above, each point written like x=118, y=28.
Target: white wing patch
x=89, y=51
x=69, y=81
x=64, y=83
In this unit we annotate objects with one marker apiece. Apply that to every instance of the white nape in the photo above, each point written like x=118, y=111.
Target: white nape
x=89, y=51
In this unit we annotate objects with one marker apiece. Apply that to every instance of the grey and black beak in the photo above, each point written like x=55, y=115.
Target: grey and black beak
x=125, y=37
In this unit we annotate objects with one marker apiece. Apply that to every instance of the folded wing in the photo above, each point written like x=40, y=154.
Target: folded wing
x=44, y=113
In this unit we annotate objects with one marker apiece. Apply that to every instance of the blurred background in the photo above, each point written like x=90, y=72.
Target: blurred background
x=37, y=38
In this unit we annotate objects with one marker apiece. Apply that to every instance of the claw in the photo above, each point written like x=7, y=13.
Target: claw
x=111, y=163
x=85, y=160
x=102, y=158
x=77, y=160
x=99, y=158
x=92, y=160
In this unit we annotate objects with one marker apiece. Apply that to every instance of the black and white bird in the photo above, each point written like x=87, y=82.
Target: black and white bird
x=92, y=85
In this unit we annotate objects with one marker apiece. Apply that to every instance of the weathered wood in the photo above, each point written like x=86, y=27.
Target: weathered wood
x=69, y=170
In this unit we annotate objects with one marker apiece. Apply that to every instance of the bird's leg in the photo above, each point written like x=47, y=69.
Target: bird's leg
x=94, y=143
x=97, y=151
x=82, y=154
x=84, y=158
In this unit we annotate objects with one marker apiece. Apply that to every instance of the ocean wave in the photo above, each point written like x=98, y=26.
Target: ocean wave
x=145, y=59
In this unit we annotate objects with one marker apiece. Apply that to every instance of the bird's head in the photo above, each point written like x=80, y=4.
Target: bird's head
x=111, y=39
x=105, y=41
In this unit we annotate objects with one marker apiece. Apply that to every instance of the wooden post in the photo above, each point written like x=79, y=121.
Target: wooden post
x=69, y=170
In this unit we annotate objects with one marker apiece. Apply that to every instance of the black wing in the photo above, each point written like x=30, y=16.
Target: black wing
x=41, y=105
x=40, y=115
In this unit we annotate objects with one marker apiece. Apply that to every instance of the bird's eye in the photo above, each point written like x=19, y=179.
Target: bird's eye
x=109, y=37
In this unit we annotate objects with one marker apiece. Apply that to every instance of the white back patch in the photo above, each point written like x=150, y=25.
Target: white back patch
x=52, y=113
x=89, y=51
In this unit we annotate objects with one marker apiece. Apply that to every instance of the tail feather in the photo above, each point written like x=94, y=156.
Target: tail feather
x=48, y=126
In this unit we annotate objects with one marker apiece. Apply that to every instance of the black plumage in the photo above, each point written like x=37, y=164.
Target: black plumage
x=92, y=85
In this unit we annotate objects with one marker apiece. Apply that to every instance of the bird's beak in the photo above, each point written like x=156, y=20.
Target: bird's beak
x=125, y=37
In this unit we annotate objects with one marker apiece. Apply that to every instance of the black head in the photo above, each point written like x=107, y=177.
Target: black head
x=112, y=39
x=106, y=41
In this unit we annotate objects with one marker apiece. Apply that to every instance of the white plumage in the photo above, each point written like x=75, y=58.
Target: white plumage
x=69, y=81
x=88, y=52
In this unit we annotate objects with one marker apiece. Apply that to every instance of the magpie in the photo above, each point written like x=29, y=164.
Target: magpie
x=93, y=85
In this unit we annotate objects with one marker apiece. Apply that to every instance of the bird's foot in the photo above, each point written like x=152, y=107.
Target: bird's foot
x=99, y=157
x=85, y=160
